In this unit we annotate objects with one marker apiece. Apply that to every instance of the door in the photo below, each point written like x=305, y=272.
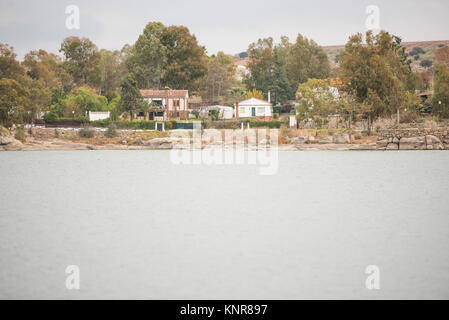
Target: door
x=253, y=112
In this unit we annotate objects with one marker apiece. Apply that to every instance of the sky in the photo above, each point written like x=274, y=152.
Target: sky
x=227, y=25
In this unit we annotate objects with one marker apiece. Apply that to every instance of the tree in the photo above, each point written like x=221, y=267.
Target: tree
x=280, y=86
x=377, y=74
x=111, y=71
x=187, y=61
x=167, y=56
x=254, y=94
x=306, y=60
x=315, y=99
x=81, y=60
x=220, y=76
x=260, y=65
x=440, y=99
x=9, y=67
x=14, y=99
x=148, y=57
x=130, y=95
x=46, y=67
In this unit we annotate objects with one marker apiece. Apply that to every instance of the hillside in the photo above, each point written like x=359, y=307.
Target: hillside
x=417, y=56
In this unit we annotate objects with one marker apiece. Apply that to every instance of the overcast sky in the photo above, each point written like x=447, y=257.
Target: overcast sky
x=227, y=25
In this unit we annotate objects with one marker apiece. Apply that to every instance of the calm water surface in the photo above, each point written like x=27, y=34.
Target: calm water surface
x=141, y=227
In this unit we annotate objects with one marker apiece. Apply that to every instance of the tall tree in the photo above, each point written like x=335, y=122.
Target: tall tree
x=377, y=73
x=130, y=95
x=220, y=76
x=440, y=99
x=306, y=60
x=280, y=87
x=167, y=56
x=111, y=71
x=81, y=60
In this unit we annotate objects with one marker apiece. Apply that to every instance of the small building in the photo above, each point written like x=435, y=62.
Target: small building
x=165, y=104
x=255, y=108
x=95, y=116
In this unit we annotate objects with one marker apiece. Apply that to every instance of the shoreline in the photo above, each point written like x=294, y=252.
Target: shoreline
x=45, y=139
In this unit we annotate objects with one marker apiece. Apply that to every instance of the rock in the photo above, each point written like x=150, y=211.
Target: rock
x=5, y=140
x=160, y=143
x=138, y=142
x=433, y=143
x=16, y=145
x=90, y=147
x=392, y=146
x=382, y=144
x=413, y=143
x=342, y=138
x=298, y=140
x=326, y=140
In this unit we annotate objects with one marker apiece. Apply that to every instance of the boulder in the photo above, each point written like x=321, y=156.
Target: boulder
x=298, y=140
x=326, y=140
x=413, y=143
x=382, y=144
x=392, y=146
x=433, y=143
x=160, y=143
x=342, y=138
x=5, y=137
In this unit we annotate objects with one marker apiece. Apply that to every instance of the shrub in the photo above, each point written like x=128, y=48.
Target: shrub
x=56, y=133
x=426, y=63
x=86, y=132
x=20, y=134
x=111, y=132
x=50, y=117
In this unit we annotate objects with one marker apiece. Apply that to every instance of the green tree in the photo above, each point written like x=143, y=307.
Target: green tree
x=377, y=74
x=280, y=87
x=440, y=99
x=9, y=67
x=315, y=99
x=111, y=71
x=81, y=61
x=14, y=99
x=130, y=95
x=167, y=56
x=220, y=76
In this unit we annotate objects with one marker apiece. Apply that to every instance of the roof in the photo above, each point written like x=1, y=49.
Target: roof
x=242, y=62
x=163, y=93
x=254, y=102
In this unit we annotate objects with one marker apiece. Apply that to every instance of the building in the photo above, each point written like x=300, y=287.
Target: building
x=165, y=104
x=241, y=69
x=255, y=108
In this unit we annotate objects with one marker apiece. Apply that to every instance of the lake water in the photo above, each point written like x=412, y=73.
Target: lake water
x=141, y=227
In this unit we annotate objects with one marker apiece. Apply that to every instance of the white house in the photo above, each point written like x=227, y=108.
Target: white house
x=255, y=108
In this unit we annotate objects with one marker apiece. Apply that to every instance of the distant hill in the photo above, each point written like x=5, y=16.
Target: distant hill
x=427, y=53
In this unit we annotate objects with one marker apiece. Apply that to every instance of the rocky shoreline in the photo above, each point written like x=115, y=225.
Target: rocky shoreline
x=44, y=140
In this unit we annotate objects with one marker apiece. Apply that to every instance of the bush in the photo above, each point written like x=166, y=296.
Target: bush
x=426, y=63
x=50, y=117
x=111, y=132
x=56, y=133
x=20, y=134
x=86, y=132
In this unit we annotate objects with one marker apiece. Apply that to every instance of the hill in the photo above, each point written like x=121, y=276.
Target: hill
x=425, y=50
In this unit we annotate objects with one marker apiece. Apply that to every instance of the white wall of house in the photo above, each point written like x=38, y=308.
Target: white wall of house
x=255, y=108
x=95, y=116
